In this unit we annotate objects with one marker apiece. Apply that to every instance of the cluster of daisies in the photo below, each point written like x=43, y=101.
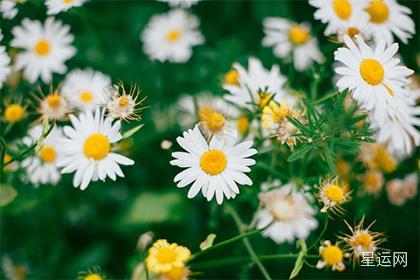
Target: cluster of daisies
x=79, y=123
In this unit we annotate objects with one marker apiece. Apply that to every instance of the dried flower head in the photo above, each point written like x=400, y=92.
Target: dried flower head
x=52, y=106
x=331, y=256
x=122, y=105
x=332, y=194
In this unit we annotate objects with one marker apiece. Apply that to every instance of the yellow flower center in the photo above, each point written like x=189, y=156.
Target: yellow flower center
x=283, y=209
x=353, y=31
x=86, y=97
x=69, y=2
x=42, y=48
x=334, y=193
x=371, y=178
x=92, y=276
x=97, y=146
x=213, y=162
x=54, y=100
x=205, y=112
x=215, y=121
x=242, y=124
x=123, y=101
x=298, y=35
x=263, y=99
x=342, y=8
x=166, y=255
x=6, y=158
x=231, y=77
x=332, y=255
x=378, y=11
x=383, y=159
x=14, y=113
x=177, y=273
x=173, y=36
x=48, y=154
x=372, y=71
x=363, y=239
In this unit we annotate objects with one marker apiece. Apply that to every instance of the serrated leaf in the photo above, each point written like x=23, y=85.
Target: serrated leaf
x=208, y=242
x=132, y=131
x=7, y=194
x=299, y=260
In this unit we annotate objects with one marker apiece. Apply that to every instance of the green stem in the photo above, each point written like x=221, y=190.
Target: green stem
x=241, y=260
x=325, y=98
x=246, y=242
x=322, y=232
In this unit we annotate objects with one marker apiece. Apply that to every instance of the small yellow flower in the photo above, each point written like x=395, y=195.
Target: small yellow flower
x=163, y=257
x=94, y=273
x=14, y=112
x=331, y=256
x=176, y=273
x=332, y=195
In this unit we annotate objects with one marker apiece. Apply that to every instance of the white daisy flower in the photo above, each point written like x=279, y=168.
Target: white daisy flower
x=215, y=168
x=288, y=212
x=339, y=13
x=388, y=19
x=291, y=39
x=372, y=75
x=42, y=167
x=256, y=85
x=86, y=149
x=45, y=48
x=181, y=3
x=8, y=8
x=171, y=36
x=56, y=6
x=85, y=89
x=4, y=65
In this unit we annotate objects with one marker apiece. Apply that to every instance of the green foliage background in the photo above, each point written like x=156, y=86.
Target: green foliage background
x=58, y=231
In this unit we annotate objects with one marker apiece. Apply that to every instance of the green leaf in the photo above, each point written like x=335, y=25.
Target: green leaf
x=7, y=194
x=299, y=261
x=208, y=242
x=299, y=153
x=132, y=131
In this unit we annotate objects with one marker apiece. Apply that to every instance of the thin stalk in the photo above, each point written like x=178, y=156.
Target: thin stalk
x=247, y=244
x=322, y=232
x=325, y=98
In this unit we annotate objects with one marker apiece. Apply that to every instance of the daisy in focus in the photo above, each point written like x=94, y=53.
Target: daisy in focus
x=45, y=48
x=362, y=240
x=373, y=76
x=338, y=14
x=86, y=149
x=163, y=257
x=331, y=256
x=332, y=195
x=85, y=89
x=171, y=37
x=286, y=215
x=215, y=168
x=387, y=19
x=53, y=106
x=181, y=3
x=123, y=105
x=4, y=65
x=56, y=6
x=257, y=85
x=42, y=167
x=291, y=39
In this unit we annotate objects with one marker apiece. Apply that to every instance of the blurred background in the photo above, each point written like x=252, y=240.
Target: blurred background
x=55, y=232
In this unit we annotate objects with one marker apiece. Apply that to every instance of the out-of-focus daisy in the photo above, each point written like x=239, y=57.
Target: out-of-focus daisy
x=399, y=190
x=123, y=105
x=8, y=8
x=42, y=167
x=181, y=3
x=339, y=13
x=288, y=212
x=362, y=240
x=14, y=112
x=331, y=256
x=163, y=256
x=214, y=123
x=388, y=19
x=87, y=150
x=332, y=195
x=171, y=36
x=215, y=168
x=56, y=6
x=4, y=65
x=53, y=106
x=373, y=181
x=291, y=39
x=45, y=48
x=373, y=76
x=256, y=85
x=85, y=89
x=376, y=156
